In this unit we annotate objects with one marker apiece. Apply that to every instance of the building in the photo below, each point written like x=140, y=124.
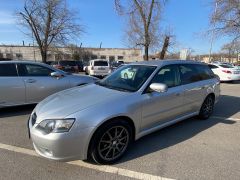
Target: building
x=69, y=53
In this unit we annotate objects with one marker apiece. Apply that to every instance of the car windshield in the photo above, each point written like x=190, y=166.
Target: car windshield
x=68, y=63
x=100, y=63
x=128, y=78
x=226, y=66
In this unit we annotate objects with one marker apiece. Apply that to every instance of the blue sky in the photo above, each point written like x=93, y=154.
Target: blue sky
x=187, y=18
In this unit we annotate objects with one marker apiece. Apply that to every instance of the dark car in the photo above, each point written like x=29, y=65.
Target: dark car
x=115, y=65
x=80, y=65
x=67, y=66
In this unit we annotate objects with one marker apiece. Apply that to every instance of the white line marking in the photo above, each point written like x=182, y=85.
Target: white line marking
x=225, y=118
x=101, y=168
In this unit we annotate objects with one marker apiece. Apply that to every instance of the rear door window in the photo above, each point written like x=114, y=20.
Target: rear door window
x=34, y=70
x=191, y=73
x=8, y=70
x=188, y=74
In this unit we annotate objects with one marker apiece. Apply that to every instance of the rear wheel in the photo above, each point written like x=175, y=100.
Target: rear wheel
x=110, y=142
x=207, y=107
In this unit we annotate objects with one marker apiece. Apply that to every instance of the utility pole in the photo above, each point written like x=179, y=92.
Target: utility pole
x=34, y=55
x=212, y=36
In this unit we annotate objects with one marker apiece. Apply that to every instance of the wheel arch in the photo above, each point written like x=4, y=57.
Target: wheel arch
x=123, y=118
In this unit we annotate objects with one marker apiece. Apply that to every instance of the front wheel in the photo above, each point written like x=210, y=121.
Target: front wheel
x=110, y=142
x=207, y=108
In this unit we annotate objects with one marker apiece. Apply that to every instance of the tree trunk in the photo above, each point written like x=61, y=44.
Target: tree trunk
x=165, y=47
x=146, y=53
x=44, y=56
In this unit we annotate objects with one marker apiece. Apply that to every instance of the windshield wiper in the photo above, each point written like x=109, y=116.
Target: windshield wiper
x=112, y=87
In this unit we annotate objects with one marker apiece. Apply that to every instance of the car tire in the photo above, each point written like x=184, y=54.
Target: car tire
x=110, y=142
x=207, y=107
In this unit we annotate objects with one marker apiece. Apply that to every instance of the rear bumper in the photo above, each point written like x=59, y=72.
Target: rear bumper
x=230, y=78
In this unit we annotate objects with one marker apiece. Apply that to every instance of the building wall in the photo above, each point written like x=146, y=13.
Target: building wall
x=33, y=53
x=222, y=59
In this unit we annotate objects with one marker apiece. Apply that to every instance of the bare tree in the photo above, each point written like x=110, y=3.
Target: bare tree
x=143, y=22
x=226, y=17
x=232, y=49
x=50, y=22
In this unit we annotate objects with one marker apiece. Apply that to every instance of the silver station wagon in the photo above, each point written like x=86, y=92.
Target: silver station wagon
x=24, y=82
x=99, y=121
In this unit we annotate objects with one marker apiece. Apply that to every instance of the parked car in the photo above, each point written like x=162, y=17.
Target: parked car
x=98, y=67
x=80, y=66
x=50, y=62
x=23, y=82
x=115, y=65
x=225, y=72
x=99, y=121
x=67, y=66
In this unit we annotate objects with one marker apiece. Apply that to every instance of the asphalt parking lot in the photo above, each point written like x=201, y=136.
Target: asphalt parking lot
x=192, y=149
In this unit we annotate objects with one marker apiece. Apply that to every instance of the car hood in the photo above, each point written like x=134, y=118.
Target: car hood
x=67, y=102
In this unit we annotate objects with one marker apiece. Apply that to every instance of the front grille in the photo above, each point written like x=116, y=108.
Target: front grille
x=34, y=118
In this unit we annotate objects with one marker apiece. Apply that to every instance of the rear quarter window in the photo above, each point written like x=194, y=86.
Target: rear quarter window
x=191, y=73
x=8, y=70
x=204, y=72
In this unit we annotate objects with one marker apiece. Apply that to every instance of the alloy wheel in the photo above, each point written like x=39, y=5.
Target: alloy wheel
x=113, y=143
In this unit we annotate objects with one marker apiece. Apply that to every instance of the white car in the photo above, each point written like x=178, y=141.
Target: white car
x=98, y=67
x=225, y=72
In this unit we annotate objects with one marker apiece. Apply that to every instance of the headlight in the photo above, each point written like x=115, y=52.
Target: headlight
x=55, y=125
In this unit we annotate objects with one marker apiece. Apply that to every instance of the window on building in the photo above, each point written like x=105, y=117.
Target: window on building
x=1, y=55
x=67, y=56
x=49, y=56
x=111, y=58
x=9, y=56
x=102, y=57
x=19, y=55
x=120, y=57
x=58, y=57
x=93, y=56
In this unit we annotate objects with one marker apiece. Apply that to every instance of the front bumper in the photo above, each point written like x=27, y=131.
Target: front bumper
x=66, y=146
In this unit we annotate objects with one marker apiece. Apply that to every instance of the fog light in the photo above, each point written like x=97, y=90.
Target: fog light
x=46, y=151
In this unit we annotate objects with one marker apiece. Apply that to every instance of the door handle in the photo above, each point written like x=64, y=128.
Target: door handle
x=30, y=80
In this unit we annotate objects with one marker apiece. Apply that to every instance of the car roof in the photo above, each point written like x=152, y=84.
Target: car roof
x=22, y=62
x=166, y=62
x=99, y=60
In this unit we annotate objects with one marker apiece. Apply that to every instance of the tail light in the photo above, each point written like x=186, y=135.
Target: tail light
x=227, y=71
x=59, y=67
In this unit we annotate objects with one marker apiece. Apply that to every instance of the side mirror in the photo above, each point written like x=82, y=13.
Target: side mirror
x=56, y=74
x=158, y=87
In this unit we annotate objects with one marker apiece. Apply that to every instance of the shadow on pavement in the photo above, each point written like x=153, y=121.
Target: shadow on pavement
x=227, y=106
x=231, y=82
x=172, y=135
x=16, y=111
